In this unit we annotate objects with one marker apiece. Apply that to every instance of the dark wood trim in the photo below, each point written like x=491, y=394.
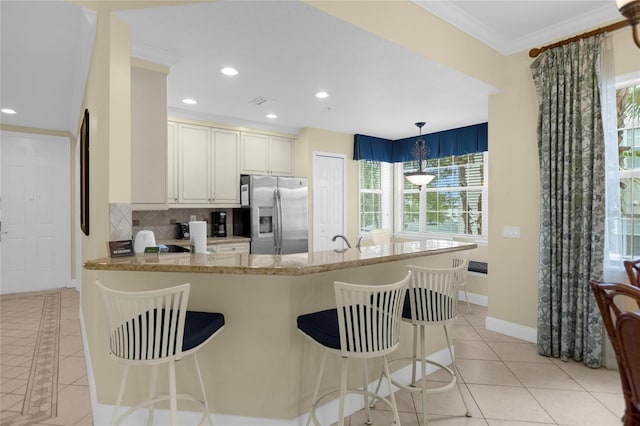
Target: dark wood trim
x=533, y=53
x=84, y=173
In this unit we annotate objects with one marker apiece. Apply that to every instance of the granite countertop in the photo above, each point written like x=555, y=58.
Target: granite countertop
x=289, y=264
x=210, y=240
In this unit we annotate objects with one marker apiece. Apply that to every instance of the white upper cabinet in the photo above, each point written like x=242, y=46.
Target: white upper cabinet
x=148, y=136
x=267, y=155
x=225, y=172
x=172, y=163
x=207, y=166
x=194, y=152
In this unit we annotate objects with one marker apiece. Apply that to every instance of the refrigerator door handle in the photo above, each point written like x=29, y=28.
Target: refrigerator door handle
x=278, y=218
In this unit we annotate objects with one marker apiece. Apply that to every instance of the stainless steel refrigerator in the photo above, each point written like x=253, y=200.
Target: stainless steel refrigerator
x=273, y=214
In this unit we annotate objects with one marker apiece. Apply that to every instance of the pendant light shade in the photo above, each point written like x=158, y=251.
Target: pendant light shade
x=630, y=9
x=420, y=151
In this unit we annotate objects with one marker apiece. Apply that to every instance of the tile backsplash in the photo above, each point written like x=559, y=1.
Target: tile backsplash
x=163, y=222
x=120, y=218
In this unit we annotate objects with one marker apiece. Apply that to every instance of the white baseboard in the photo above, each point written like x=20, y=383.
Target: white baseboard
x=327, y=413
x=511, y=329
x=475, y=298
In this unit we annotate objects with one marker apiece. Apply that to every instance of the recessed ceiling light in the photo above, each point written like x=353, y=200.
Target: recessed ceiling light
x=229, y=71
x=189, y=101
x=271, y=116
x=322, y=95
x=7, y=111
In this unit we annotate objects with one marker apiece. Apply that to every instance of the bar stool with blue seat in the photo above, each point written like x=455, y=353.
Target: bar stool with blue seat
x=365, y=324
x=150, y=328
x=432, y=301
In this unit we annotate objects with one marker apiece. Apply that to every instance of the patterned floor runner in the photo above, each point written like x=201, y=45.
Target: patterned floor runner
x=40, y=402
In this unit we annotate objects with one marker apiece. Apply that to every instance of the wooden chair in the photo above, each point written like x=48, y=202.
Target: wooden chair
x=618, y=303
x=633, y=271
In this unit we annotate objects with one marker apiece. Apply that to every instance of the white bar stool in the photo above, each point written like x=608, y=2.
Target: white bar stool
x=432, y=301
x=149, y=328
x=365, y=324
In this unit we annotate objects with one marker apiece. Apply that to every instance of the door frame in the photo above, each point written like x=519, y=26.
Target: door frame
x=343, y=157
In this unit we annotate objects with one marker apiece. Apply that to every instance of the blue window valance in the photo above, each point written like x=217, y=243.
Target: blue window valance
x=463, y=140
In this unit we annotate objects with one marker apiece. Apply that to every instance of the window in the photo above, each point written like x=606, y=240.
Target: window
x=628, y=113
x=375, y=189
x=455, y=202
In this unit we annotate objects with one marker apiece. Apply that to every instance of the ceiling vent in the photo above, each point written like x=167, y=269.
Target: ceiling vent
x=259, y=101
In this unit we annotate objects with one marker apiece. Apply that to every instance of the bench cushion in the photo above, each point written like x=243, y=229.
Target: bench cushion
x=479, y=267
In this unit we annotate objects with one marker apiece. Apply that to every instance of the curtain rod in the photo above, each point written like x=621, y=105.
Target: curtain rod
x=533, y=53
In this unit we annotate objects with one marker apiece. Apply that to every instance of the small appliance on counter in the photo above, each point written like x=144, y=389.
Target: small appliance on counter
x=219, y=224
x=144, y=239
x=183, y=231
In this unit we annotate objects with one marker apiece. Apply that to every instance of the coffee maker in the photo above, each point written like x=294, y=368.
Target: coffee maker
x=183, y=231
x=219, y=224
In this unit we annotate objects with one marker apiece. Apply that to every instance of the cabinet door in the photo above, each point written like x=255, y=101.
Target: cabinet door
x=281, y=156
x=225, y=173
x=194, y=159
x=255, y=153
x=172, y=163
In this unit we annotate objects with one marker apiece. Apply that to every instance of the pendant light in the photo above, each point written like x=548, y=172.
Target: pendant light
x=420, y=152
x=630, y=9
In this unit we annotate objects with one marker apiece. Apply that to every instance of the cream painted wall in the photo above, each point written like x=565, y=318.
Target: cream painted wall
x=108, y=88
x=514, y=196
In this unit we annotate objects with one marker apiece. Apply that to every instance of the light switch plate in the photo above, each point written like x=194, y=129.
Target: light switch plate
x=511, y=232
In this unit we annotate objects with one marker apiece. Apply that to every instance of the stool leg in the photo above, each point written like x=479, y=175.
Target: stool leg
x=152, y=392
x=466, y=297
x=173, y=402
x=204, y=395
x=315, y=393
x=456, y=372
x=396, y=416
x=423, y=369
x=415, y=358
x=365, y=387
x=123, y=382
x=343, y=389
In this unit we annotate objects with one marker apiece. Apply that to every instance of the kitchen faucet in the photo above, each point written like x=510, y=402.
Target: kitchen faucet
x=358, y=243
x=335, y=237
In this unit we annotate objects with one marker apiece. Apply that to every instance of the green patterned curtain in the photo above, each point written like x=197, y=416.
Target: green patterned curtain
x=572, y=205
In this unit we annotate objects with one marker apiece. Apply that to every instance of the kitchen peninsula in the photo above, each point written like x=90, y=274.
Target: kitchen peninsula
x=260, y=366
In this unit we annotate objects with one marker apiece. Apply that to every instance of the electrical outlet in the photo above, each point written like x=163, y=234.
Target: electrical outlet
x=511, y=232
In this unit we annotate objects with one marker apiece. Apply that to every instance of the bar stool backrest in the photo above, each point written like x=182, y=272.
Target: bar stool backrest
x=460, y=274
x=433, y=293
x=369, y=317
x=146, y=326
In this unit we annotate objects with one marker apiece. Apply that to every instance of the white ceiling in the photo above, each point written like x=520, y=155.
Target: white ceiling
x=285, y=52
x=517, y=25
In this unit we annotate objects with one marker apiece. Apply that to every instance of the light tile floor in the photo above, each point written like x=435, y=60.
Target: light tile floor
x=505, y=382
x=26, y=321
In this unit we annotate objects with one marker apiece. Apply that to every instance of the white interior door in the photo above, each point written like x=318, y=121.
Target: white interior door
x=328, y=200
x=35, y=197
